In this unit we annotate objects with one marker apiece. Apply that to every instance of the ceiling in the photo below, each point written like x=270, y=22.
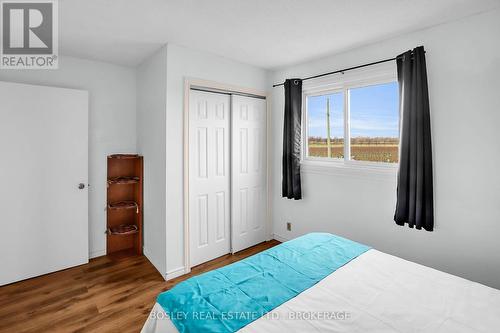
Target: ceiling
x=264, y=33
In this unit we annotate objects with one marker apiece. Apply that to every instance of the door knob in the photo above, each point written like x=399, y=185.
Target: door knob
x=81, y=186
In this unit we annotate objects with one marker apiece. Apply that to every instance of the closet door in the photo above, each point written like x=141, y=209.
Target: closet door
x=209, y=176
x=249, y=180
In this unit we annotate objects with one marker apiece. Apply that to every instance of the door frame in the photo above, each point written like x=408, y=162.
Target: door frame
x=190, y=83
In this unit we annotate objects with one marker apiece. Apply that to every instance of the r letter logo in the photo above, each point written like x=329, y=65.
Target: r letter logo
x=29, y=34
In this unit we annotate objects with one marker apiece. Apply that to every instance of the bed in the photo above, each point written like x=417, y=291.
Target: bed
x=366, y=291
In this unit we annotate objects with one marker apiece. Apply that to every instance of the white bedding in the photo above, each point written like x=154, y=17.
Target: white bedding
x=377, y=292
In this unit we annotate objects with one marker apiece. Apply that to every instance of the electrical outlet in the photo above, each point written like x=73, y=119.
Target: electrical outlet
x=289, y=226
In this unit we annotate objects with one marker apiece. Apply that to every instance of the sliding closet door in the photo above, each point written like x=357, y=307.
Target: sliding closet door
x=209, y=176
x=249, y=180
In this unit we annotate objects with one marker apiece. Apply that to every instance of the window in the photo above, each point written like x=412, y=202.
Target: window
x=374, y=113
x=353, y=123
x=326, y=125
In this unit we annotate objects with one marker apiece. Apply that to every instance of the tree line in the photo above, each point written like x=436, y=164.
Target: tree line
x=360, y=140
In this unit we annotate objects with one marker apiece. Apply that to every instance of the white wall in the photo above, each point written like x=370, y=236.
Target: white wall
x=182, y=63
x=463, y=59
x=111, y=122
x=151, y=143
x=160, y=107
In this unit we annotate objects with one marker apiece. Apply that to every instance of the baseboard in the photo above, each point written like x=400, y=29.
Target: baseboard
x=280, y=238
x=176, y=272
x=95, y=254
x=145, y=252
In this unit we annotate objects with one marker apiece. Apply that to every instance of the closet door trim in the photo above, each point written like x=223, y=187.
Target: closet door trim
x=190, y=83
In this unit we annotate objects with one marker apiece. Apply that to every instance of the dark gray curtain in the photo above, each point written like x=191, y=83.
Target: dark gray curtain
x=291, y=186
x=415, y=203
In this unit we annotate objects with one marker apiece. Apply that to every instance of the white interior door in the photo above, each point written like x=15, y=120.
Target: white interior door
x=249, y=172
x=209, y=176
x=44, y=152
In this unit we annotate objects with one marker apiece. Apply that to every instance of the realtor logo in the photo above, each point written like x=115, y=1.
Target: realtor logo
x=29, y=34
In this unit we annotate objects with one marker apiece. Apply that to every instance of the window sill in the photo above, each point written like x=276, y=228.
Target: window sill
x=385, y=172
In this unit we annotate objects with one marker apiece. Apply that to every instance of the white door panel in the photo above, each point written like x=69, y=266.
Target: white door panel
x=209, y=176
x=249, y=172
x=44, y=151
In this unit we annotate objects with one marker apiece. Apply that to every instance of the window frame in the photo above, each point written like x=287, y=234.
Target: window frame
x=380, y=74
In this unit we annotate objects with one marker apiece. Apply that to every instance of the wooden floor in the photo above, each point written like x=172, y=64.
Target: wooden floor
x=110, y=294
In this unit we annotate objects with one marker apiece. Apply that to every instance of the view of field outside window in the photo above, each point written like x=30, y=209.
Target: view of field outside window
x=374, y=124
x=323, y=110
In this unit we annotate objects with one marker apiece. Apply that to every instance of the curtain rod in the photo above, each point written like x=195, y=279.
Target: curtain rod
x=342, y=70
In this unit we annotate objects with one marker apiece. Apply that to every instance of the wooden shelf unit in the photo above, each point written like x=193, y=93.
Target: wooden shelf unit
x=124, y=185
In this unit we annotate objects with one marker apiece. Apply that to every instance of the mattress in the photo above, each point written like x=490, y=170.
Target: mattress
x=377, y=292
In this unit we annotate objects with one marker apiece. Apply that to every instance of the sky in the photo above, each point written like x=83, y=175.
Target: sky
x=374, y=112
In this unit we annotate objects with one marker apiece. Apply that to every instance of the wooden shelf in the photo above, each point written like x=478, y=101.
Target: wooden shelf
x=124, y=156
x=124, y=203
x=123, y=180
x=123, y=230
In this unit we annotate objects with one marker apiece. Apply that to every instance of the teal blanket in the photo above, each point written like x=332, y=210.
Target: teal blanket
x=231, y=297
